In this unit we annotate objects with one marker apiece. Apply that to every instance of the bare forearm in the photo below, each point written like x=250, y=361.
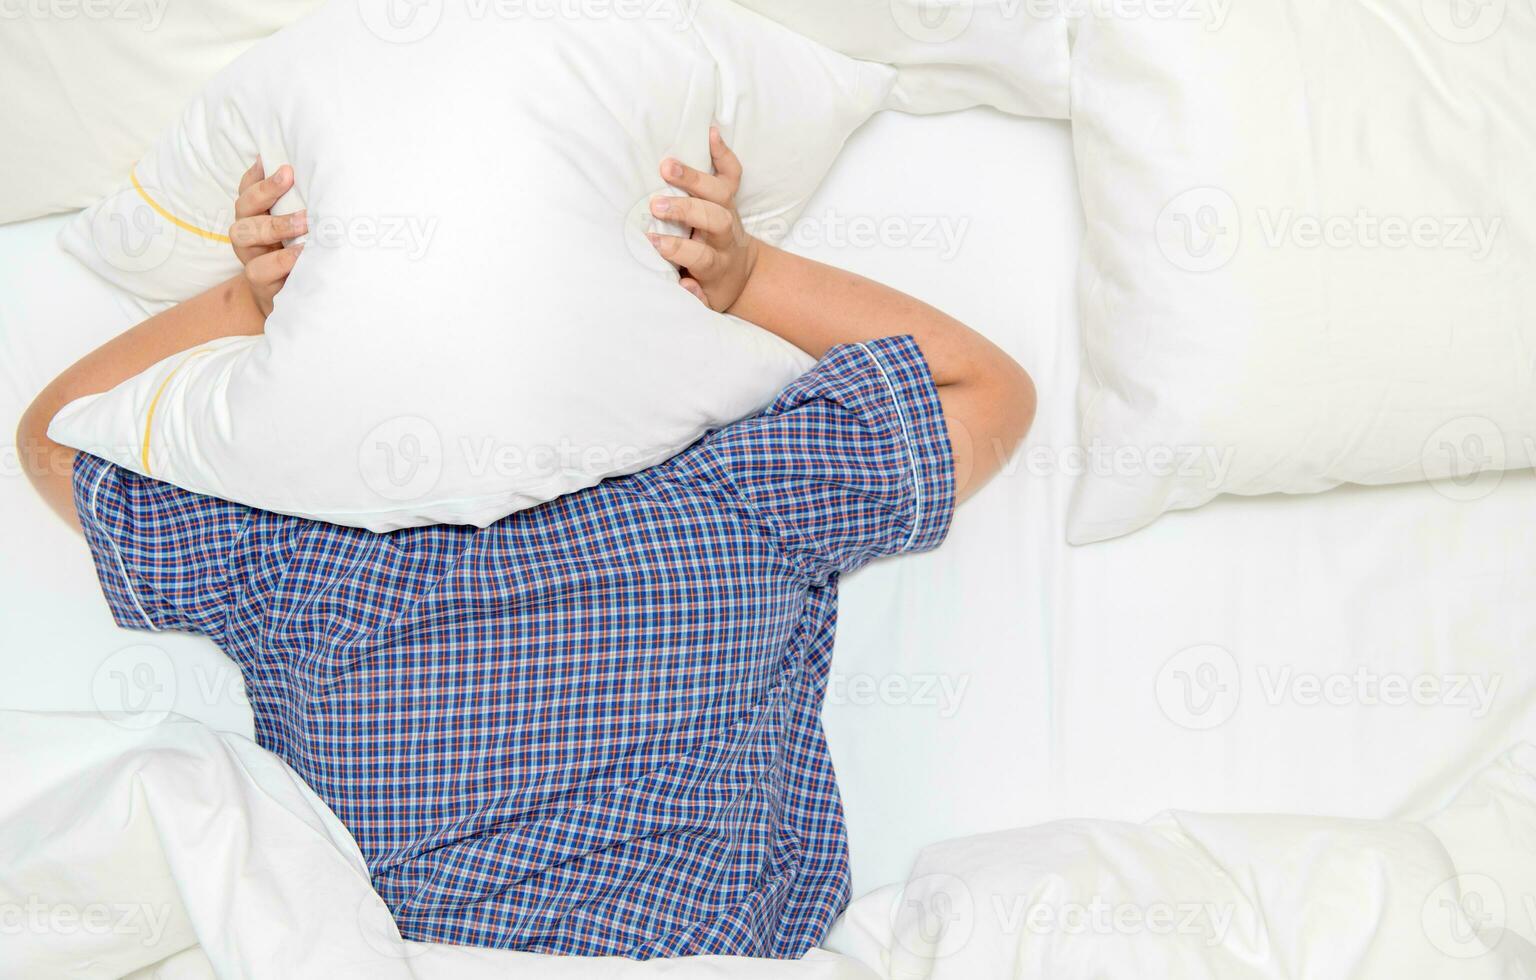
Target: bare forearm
x=816, y=307
x=988, y=399
x=225, y=311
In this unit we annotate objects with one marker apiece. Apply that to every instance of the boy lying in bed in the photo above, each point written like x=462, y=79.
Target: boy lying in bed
x=594, y=727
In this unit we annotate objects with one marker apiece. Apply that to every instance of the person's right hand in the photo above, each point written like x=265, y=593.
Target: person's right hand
x=718, y=256
x=257, y=236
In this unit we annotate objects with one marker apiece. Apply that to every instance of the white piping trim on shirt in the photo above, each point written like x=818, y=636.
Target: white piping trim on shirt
x=906, y=437
x=117, y=556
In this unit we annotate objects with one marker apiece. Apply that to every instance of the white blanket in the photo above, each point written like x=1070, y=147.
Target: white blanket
x=175, y=852
x=1221, y=897
x=171, y=851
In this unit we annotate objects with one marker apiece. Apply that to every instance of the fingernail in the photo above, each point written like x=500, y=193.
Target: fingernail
x=654, y=239
x=674, y=169
x=285, y=174
x=661, y=207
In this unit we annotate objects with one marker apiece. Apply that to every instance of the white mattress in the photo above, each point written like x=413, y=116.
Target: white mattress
x=1007, y=678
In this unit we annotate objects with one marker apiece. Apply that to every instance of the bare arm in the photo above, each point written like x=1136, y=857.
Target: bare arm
x=224, y=311
x=988, y=399
x=239, y=307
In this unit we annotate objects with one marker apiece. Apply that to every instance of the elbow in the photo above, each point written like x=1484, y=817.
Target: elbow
x=1018, y=401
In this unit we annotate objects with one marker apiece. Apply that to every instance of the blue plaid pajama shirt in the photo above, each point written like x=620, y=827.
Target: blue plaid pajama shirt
x=593, y=727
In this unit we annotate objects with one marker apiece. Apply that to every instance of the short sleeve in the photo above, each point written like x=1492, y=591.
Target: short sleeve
x=850, y=463
x=162, y=554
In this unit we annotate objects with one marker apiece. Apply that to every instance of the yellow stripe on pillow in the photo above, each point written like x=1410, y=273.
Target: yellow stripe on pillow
x=212, y=236
x=154, y=403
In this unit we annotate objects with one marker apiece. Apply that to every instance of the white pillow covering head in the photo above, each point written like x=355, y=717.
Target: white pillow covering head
x=478, y=323
x=950, y=54
x=1309, y=250
x=89, y=84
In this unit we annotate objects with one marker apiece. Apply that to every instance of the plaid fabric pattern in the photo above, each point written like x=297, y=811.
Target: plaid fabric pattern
x=591, y=728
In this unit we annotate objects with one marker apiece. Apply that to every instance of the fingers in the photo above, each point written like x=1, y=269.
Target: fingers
x=715, y=221
x=696, y=183
x=263, y=232
x=689, y=253
x=692, y=285
x=269, y=270
x=250, y=177
x=727, y=166
x=259, y=197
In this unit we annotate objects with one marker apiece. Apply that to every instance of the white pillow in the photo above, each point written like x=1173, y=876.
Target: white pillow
x=477, y=324
x=1309, y=251
x=90, y=83
x=951, y=54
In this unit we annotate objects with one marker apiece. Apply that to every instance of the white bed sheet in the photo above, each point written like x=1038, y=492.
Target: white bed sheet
x=1006, y=679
